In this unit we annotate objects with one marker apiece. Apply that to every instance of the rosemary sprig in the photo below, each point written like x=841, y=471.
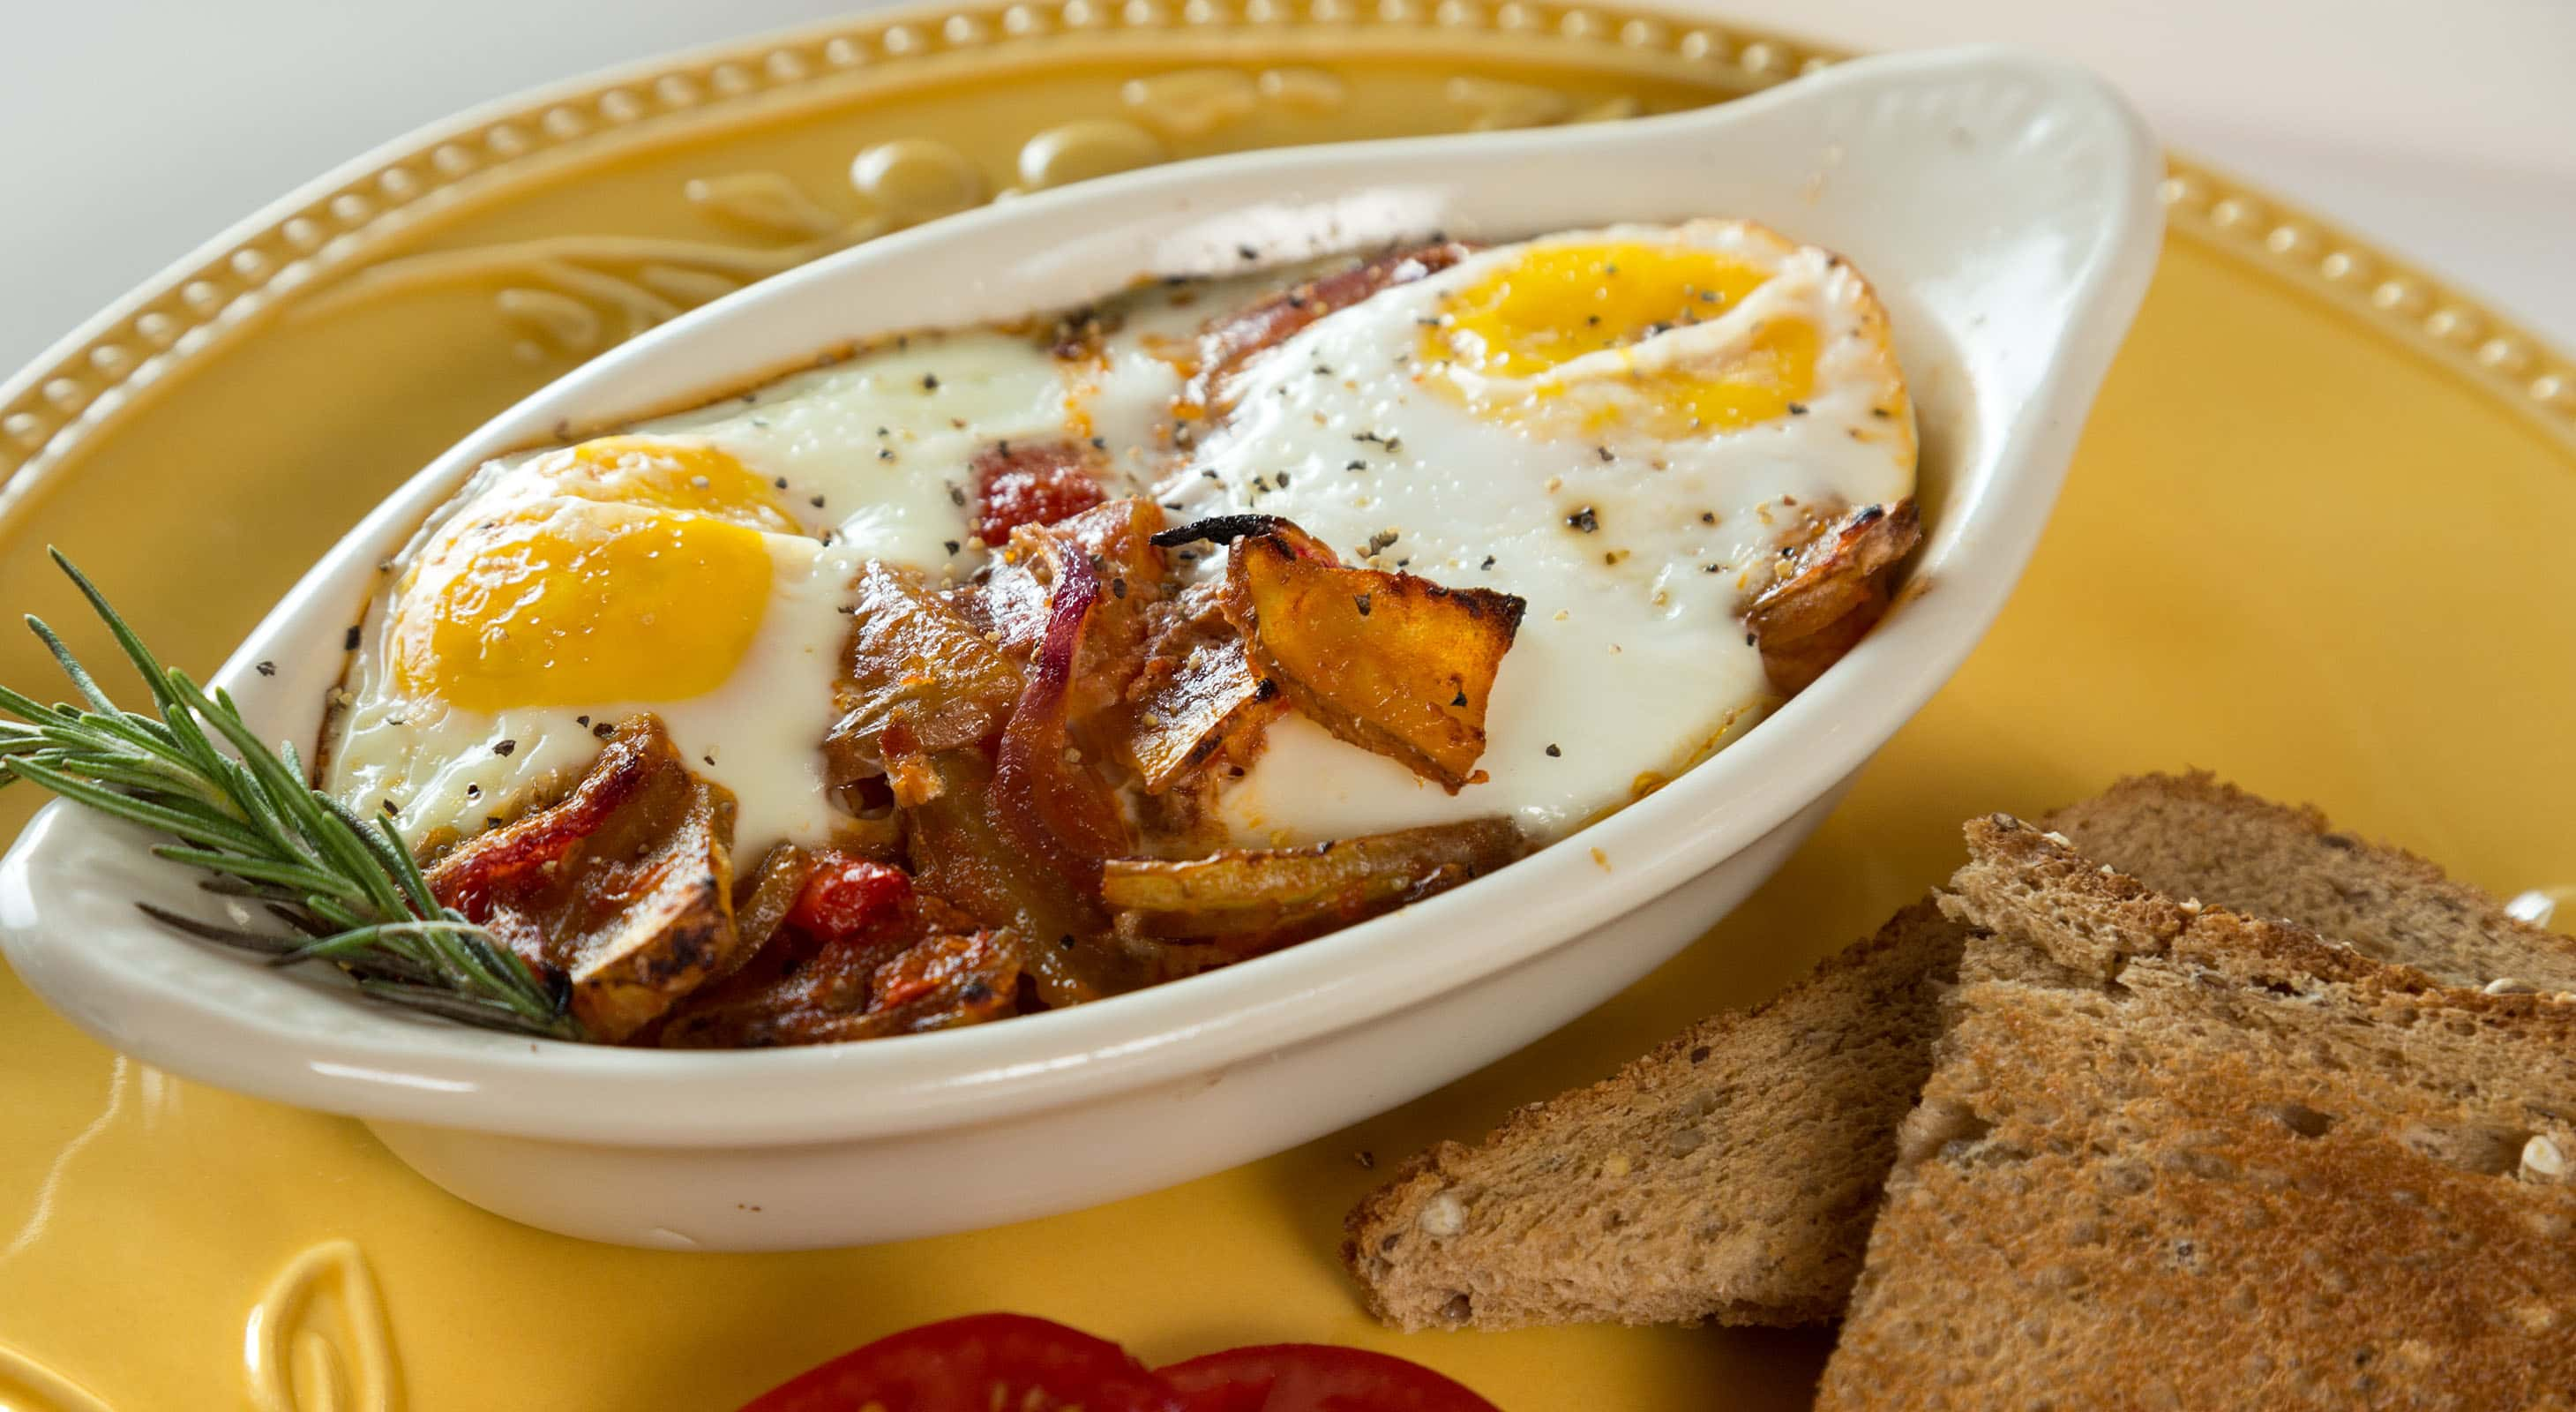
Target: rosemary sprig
x=348, y=888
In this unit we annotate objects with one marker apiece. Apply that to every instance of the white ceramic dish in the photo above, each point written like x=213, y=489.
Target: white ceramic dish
x=2002, y=204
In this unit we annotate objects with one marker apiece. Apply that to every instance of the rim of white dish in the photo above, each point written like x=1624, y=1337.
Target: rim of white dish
x=383, y=1065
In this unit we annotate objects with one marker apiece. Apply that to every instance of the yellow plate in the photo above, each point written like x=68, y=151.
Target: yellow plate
x=2309, y=542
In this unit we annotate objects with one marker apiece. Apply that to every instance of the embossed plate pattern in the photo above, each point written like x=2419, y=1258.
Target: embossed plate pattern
x=2312, y=480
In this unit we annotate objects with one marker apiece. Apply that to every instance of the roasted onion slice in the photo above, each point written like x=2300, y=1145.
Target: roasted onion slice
x=1249, y=892
x=625, y=888
x=1049, y=804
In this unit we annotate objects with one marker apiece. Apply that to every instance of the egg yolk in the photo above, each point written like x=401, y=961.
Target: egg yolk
x=1559, y=303
x=664, y=475
x=575, y=603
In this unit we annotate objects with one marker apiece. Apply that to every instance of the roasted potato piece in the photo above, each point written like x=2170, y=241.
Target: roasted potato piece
x=1196, y=694
x=1387, y=661
x=1241, y=892
x=913, y=659
x=1835, y=589
x=625, y=888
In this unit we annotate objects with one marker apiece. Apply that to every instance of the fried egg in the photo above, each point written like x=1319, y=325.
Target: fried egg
x=698, y=567
x=1620, y=426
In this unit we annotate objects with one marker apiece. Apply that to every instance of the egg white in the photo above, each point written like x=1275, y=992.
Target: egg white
x=1632, y=659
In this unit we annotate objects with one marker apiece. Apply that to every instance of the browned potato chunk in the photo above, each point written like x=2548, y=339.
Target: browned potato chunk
x=625, y=889
x=1196, y=693
x=1835, y=590
x=914, y=660
x=1267, y=890
x=1387, y=661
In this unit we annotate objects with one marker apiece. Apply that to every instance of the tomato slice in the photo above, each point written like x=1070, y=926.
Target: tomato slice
x=976, y=1364
x=1315, y=1377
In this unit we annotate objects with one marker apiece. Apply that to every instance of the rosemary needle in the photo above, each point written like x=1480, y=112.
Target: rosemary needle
x=349, y=889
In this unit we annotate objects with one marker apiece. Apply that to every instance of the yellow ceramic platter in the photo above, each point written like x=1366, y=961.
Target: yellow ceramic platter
x=2309, y=542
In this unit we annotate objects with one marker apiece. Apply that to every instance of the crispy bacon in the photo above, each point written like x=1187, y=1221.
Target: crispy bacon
x=1031, y=483
x=625, y=888
x=1233, y=340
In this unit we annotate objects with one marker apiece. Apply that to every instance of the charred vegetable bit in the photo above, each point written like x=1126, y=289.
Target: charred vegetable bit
x=1388, y=661
x=1835, y=590
x=859, y=954
x=625, y=888
x=1298, y=891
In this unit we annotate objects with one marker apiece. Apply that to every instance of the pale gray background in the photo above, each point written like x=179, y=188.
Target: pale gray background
x=136, y=129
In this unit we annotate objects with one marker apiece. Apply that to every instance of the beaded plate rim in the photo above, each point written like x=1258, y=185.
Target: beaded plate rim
x=75, y=391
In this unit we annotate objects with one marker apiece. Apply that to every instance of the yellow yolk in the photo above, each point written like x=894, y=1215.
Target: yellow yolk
x=574, y=602
x=1775, y=368
x=663, y=475
x=1525, y=322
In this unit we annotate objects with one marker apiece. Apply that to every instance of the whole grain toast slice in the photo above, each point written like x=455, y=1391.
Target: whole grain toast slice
x=2173, y=1156
x=2190, y=836
x=1580, y=1208
x=1728, y=1175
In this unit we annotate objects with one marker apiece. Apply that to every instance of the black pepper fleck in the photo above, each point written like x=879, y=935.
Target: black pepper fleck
x=504, y=747
x=349, y=640
x=268, y=669
x=953, y=545
x=1553, y=752
x=1584, y=520
x=930, y=382
x=1362, y=601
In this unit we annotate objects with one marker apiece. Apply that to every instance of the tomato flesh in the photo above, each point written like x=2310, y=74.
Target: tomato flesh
x=976, y=1364
x=1315, y=1377
x=1030, y=483
x=847, y=898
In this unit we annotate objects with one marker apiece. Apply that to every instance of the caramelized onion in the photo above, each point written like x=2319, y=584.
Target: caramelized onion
x=1294, y=892
x=1056, y=810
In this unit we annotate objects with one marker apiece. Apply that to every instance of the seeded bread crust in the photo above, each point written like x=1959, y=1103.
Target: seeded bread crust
x=2190, y=836
x=1728, y=1175
x=2172, y=1156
